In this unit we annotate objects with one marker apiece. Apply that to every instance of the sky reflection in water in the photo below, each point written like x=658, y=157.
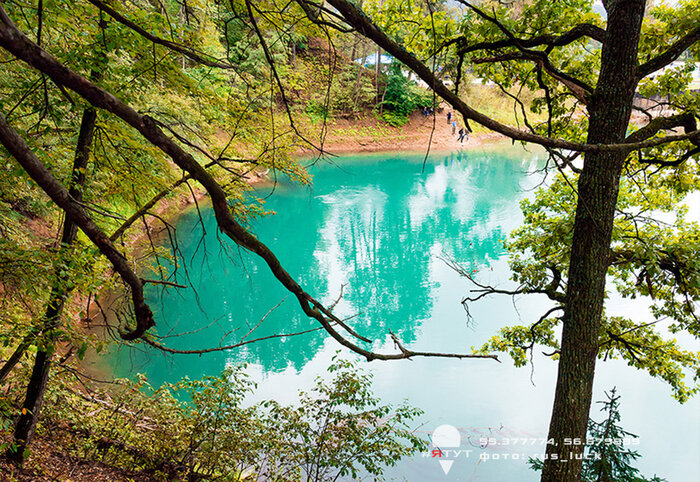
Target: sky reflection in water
x=380, y=225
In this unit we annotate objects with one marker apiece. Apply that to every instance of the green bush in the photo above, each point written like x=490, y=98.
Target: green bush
x=394, y=119
x=318, y=110
x=202, y=430
x=402, y=97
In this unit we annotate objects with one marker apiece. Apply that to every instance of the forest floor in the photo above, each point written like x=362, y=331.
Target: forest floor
x=50, y=462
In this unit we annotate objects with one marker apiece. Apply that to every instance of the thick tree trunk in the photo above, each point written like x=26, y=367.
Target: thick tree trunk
x=26, y=424
x=598, y=186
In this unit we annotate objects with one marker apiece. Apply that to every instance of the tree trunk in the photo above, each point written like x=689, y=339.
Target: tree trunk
x=26, y=424
x=610, y=109
x=378, y=70
x=356, y=90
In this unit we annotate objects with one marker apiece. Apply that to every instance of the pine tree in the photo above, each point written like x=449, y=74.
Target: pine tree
x=608, y=457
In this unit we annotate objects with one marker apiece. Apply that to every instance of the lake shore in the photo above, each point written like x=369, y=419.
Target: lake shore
x=344, y=136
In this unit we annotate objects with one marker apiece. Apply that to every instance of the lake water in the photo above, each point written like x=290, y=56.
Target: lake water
x=380, y=224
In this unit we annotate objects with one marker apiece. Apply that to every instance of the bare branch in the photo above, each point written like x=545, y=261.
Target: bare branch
x=485, y=290
x=162, y=282
x=175, y=351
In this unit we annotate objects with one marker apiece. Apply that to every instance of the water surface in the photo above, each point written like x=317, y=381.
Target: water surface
x=380, y=227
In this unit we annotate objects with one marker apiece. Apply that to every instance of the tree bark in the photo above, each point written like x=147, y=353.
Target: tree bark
x=26, y=424
x=598, y=187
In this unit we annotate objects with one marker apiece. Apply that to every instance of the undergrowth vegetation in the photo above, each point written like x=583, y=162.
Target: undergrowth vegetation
x=204, y=430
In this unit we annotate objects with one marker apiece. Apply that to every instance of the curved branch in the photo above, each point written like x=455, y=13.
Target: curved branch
x=364, y=25
x=232, y=346
x=685, y=120
x=668, y=56
x=22, y=47
x=404, y=352
x=533, y=335
x=578, y=88
x=676, y=162
x=58, y=194
x=582, y=30
x=485, y=290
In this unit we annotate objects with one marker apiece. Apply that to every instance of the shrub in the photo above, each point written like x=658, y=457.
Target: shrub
x=201, y=429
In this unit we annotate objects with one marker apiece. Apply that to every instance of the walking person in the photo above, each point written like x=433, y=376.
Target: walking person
x=461, y=135
x=449, y=116
x=454, y=127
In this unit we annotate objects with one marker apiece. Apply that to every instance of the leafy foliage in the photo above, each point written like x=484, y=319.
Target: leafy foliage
x=402, y=96
x=651, y=258
x=204, y=428
x=654, y=242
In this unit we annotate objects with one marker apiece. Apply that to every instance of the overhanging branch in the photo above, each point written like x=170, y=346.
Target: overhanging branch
x=364, y=25
x=576, y=33
x=14, y=41
x=58, y=194
x=580, y=89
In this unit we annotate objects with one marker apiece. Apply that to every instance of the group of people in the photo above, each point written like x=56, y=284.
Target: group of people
x=427, y=111
x=462, y=134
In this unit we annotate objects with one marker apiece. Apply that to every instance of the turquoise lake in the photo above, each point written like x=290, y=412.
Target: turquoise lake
x=380, y=225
